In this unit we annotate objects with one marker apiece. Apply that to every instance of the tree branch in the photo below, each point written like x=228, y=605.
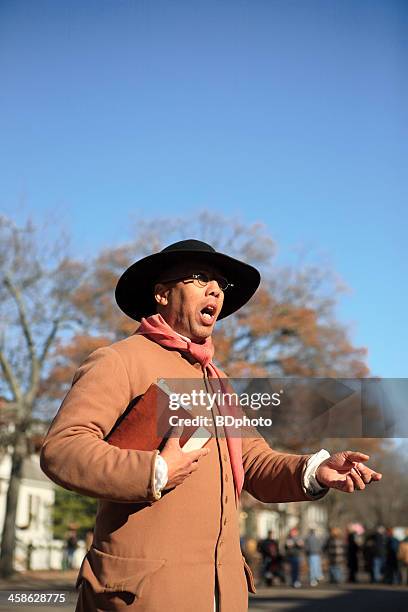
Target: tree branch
x=10, y=378
x=18, y=298
x=50, y=338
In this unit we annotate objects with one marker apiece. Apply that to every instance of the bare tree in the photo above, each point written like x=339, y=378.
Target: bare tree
x=36, y=284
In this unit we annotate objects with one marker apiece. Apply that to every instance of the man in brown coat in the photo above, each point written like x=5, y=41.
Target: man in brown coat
x=166, y=533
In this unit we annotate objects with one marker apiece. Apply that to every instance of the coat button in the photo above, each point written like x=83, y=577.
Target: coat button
x=226, y=499
x=226, y=477
x=225, y=521
x=225, y=457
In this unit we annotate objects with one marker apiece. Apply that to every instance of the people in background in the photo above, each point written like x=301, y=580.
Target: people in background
x=391, y=567
x=71, y=544
x=403, y=559
x=271, y=560
x=250, y=552
x=368, y=553
x=313, y=549
x=352, y=556
x=335, y=549
x=294, y=546
x=379, y=551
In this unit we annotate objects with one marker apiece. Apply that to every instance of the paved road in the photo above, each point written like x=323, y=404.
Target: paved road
x=39, y=582
x=356, y=598
x=325, y=598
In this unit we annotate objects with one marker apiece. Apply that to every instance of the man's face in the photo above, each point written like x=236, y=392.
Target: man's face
x=189, y=309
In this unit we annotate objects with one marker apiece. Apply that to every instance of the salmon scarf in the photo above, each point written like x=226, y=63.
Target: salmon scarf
x=155, y=328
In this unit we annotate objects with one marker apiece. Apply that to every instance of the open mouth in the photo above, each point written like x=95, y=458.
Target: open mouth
x=208, y=313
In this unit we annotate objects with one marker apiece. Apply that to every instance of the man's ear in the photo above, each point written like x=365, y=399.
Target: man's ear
x=161, y=294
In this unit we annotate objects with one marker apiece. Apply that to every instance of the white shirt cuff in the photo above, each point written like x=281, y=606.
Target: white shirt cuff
x=310, y=484
x=160, y=475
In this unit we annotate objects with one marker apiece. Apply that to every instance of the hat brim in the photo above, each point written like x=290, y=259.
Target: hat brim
x=134, y=291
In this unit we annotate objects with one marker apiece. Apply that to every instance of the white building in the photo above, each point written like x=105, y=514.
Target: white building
x=35, y=548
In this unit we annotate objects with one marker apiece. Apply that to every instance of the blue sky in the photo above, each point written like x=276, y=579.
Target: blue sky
x=292, y=113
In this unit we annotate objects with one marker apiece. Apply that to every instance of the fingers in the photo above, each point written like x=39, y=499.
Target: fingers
x=356, y=456
x=193, y=466
x=358, y=482
x=367, y=474
x=346, y=485
x=363, y=471
x=197, y=454
x=357, y=479
x=180, y=464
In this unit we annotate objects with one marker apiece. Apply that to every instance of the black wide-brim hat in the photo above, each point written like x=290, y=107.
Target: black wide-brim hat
x=134, y=291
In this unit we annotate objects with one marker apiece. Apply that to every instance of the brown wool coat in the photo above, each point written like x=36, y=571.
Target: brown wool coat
x=150, y=555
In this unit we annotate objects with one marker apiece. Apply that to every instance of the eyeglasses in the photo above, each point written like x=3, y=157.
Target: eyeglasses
x=202, y=279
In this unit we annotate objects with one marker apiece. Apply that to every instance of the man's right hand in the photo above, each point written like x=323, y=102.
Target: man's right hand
x=180, y=464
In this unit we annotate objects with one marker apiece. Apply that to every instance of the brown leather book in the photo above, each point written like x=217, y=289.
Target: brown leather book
x=145, y=424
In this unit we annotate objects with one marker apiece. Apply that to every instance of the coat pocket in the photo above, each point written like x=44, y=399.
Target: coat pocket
x=110, y=574
x=249, y=576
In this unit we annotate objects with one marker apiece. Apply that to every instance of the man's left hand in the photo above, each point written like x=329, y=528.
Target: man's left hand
x=346, y=472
